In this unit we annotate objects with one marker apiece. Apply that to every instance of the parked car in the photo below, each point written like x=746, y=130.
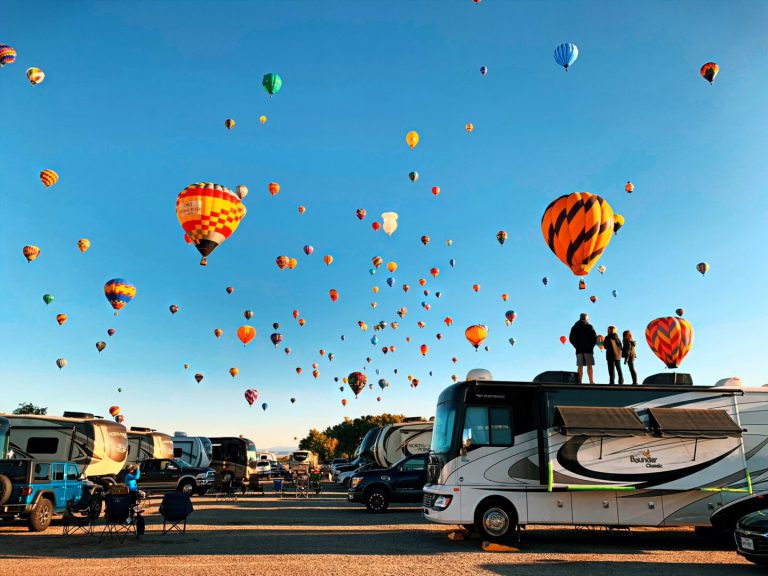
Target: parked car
x=35, y=490
x=751, y=537
x=402, y=482
x=174, y=474
x=263, y=468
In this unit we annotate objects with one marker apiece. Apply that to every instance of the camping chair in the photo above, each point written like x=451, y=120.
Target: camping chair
x=117, y=514
x=175, y=509
x=315, y=483
x=302, y=486
x=227, y=492
x=81, y=517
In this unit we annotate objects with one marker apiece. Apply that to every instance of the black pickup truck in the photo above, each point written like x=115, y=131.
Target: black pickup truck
x=173, y=474
x=402, y=482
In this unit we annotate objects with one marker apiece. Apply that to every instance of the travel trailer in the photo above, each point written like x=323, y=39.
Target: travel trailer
x=234, y=460
x=302, y=461
x=397, y=441
x=194, y=450
x=551, y=451
x=145, y=443
x=99, y=447
x=5, y=436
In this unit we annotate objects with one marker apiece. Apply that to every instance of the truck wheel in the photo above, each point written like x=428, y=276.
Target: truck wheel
x=40, y=518
x=496, y=520
x=5, y=489
x=186, y=487
x=377, y=500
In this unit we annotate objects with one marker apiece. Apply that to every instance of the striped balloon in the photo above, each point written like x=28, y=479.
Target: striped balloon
x=670, y=338
x=566, y=54
x=577, y=228
x=251, y=395
x=7, y=55
x=35, y=75
x=119, y=292
x=49, y=177
x=30, y=252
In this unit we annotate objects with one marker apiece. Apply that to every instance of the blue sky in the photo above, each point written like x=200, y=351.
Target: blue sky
x=132, y=111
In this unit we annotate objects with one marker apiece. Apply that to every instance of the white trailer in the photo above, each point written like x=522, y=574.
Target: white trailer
x=195, y=450
x=302, y=461
x=397, y=441
x=510, y=454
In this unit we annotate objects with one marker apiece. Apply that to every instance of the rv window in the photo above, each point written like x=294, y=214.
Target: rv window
x=178, y=453
x=42, y=472
x=58, y=471
x=445, y=418
x=41, y=445
x=489, y=426
x=72, y=473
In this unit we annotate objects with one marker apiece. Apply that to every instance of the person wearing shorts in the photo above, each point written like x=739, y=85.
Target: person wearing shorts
x=583, y=338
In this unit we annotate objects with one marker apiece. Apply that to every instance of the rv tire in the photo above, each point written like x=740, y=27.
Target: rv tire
x=496, y=520
x=5, y=489
x=40, y=518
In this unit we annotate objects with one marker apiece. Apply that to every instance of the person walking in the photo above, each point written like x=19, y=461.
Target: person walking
x=583, y=338
x=629, y=354
x=613, y=355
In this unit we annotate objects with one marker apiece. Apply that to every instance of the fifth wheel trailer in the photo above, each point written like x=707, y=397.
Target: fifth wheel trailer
x=145, y=443
x=509, y=454
x=397, y=441
x=194, y=450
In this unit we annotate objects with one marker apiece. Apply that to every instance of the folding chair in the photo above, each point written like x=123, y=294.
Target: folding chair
x=302, y=486
x=227, y=492
x=81, y=518
x=175, y=509
x=117, y=514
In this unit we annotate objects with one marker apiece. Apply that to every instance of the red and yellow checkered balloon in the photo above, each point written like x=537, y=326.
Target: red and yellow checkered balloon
x=670, y=338
x=209, y=214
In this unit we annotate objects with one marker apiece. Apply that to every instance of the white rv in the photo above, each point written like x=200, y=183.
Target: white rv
x=509, y=454
x=144, y=443
x=194, y=450
x=397, y=441
x=302, y=461
x=98, y=446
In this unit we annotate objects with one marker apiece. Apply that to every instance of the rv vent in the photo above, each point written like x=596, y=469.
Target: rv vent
x=479, y=374
x=81, y=415
x=557, y=377
x=732, y=381
x=669, y=379
x=180, y=434
x=140, y=429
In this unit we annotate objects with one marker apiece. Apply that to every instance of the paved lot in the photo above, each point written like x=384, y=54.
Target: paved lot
x=326, y=535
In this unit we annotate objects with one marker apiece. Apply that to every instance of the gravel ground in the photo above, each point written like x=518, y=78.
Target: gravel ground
x=326, y=535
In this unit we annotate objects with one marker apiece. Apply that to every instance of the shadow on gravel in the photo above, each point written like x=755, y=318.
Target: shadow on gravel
x=587, y=568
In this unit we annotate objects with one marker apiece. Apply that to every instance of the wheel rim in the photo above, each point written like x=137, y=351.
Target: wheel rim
x=187, y=488
x=496, y=522
x=376, y=501
x=43, y=515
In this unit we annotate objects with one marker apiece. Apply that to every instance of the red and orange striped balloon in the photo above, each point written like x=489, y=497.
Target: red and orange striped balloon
x=670, y=338
x=48, y=177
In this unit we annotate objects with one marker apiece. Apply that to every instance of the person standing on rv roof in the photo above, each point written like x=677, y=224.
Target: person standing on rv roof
x=583, y=338
x=629, y=354
x=613, y=355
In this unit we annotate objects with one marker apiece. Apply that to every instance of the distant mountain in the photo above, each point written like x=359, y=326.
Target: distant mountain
x=280, y=450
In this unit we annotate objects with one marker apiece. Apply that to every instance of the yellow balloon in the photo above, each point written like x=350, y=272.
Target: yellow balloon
x=390, y=222
x=263, y=119
x=392, y=266
x=375, y=289
x=412, y=138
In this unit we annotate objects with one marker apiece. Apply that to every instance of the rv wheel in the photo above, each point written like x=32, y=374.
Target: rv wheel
x=5, y=489
x=496, y=520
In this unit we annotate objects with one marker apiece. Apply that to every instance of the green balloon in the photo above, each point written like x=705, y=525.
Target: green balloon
x=272, y=83
x=48, y=298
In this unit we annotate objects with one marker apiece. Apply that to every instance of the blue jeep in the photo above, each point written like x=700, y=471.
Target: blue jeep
x=35, y=490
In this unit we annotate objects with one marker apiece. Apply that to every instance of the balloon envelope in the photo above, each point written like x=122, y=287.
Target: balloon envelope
x=670, y=339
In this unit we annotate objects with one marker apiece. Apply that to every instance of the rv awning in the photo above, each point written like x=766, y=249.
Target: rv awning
x=682, y=423
x=598, y=421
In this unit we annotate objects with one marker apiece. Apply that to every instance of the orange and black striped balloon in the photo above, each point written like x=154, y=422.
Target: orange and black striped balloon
x=670, y=338
x=48, y=177
x=578, y=227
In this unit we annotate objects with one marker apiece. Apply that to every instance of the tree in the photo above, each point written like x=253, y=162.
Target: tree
x=318, y=443
x=344, y=438
x=29, y=408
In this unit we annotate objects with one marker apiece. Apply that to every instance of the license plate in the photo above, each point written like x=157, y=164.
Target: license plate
x=747, y=543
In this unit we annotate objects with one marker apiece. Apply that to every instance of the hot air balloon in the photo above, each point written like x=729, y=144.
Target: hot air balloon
x=376, y=226
x=680, y=311
x=293, y=400
x=48, y=298
x=424, y=349
x=119, y=292
x=282, y=262
x=476, y=287
x=563, y=339
x=449, y=243
x=709, y=71
x=413, y=176
x=272, y=83
x=566, y=54
x=218, y=332
x=111, y=332
x=7, y=55
x=292, y=263
x=308, y=249
x=287, y=351
x=328, y=259
x=360, y=213
x=315, y=373
x=483, y=70
x=48, y=177
x=251, y=396
x=391, y=281
x=35, y=75
x=390, y=222
x=61, y=318
x=436, y=192
x=173, y=308
x=334, y=294
x=264, y=406
x=83, y=244
x=302, y=209
x=357, y=381
x=199, y=377
x=295, y=314
x=234, y=372
x=276, y=338
x=114, y=411
x=391, y=266
x=501, y=236
x=629, y=188
x=229, y=123
x=302, y=321
x=511, y=315
x=593, y=299
x=248, y=314
x=61, y=362
x=476, y=334
x=600, y=341
x=615, y=293
x=100, y=345
x=412, y=139
x=230, y=289
x=512, y=341
x=469, y=127
x=273, y=188
x=702, y=268
x=422, y=282
x=577, y=228
x=406, y=287
x=246, y=333
x=545, y=280
x=209, y=214
x=263, y=119
x=377, y=261
x=375, y=289
x=670, y=339
x=425, y=240
x=435, y=272
x=452, y=262
x=344, y=401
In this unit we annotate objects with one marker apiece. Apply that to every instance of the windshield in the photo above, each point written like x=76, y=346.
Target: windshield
x=181, y=463
x=252, y=454
x=442, y=434
x=207, y=447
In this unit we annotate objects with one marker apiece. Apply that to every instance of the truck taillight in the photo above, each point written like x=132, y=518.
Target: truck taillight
x=26, y=490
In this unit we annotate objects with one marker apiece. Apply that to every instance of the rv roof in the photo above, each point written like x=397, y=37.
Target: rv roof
x=612, y=387
x=58, y=418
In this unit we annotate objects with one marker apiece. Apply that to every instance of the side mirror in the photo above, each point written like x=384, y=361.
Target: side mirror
x=81, y=476
x=466, y=441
